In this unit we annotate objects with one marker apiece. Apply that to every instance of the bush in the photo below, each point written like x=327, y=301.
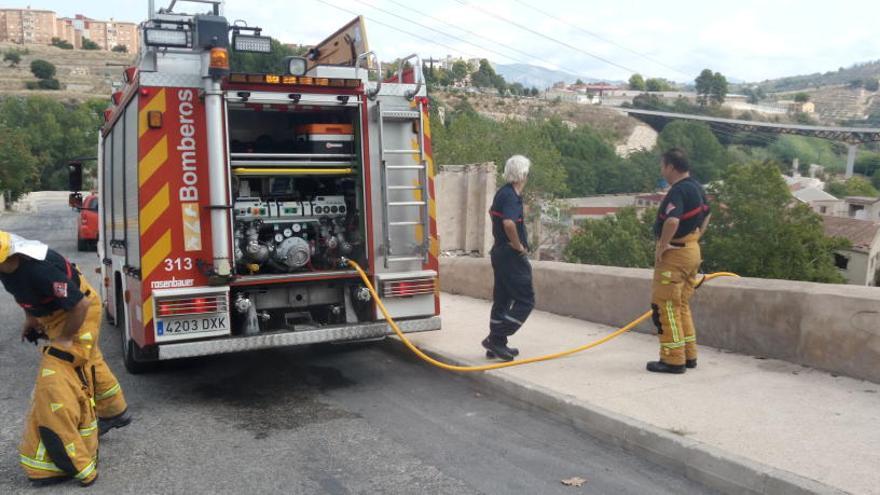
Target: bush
x=872, y=85
x=60, y=43
x=49, y=84
x=43, y=84
x=12, y=57
x=120, y=49
x=88, y=44
x=43, y=69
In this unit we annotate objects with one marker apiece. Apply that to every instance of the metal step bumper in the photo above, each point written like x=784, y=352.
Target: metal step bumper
x=287, y=339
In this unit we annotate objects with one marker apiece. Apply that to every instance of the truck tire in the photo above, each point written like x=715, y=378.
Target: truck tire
x=131, y=355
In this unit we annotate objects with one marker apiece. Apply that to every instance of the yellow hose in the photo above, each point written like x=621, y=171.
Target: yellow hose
x=495, y=366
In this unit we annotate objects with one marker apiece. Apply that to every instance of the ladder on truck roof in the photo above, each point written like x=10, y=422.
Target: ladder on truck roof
x=407, y=115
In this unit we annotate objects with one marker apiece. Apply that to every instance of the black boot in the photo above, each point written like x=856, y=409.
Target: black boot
x=661, y=367
x=120, y=420
x=499, y=351
x=42, y=482
x=513, y=351
x=691, y=363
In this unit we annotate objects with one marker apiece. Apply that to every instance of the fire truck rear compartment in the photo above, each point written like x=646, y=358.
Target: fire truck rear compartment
x=297, y=201
x=297, y=198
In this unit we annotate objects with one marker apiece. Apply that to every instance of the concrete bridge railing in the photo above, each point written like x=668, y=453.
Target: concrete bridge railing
x=826, y=326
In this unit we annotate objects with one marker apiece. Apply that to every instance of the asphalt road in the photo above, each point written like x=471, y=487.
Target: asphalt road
x=325, y=419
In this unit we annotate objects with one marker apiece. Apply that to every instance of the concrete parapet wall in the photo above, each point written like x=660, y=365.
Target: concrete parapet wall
x=464, y=195
x=826, y=326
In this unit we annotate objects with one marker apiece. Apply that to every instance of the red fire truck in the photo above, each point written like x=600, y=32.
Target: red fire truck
x=230, y=201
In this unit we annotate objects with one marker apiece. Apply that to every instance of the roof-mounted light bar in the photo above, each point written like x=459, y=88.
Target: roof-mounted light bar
x=288, y=79
x=251, y=43
x=174, y=38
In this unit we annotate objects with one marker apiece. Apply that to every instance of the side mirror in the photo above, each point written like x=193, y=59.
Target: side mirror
x=75, y=200
x=75, y=177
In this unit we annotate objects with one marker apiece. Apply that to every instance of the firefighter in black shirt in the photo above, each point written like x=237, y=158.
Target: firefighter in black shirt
x=74, y=381
x=513, y=295
x=681, y=220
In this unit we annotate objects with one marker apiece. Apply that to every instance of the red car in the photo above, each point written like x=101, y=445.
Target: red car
x=87, y=229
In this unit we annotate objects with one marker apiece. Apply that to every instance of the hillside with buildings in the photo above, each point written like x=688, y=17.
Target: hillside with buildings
x=88, y=53
x=83, y=74
x=26, y=26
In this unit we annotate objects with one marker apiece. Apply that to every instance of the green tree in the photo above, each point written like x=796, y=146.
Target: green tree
x=459, y=70
x=707, y=157
x=867, y=163
x=801, y=97
x=718, y=89
x=875, y=179
x=88, y=44
x=18, y=167
x=703, y=85
x=807, y=150
x=872, y=84
x=120, y=49
x=534, y=91
x=761, y=232
x=854, y=186
x=42, y=69
x=657, y=84
x=13, y=58
x=264, y=63
x=54, y=132
x=754, y=94
x=579, y=82
x=470, y=138
x=637, y=82
x=617, y=240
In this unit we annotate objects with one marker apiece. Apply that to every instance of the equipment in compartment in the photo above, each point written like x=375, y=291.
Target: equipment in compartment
x=324, y=138
x=278, y=230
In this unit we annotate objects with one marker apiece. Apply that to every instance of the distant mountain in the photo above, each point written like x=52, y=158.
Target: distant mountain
x=858, y=72
x=539, y=77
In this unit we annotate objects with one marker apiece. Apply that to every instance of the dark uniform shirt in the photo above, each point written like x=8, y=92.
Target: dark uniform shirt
x=43, y=287
x=507, y=205
x=686, y=201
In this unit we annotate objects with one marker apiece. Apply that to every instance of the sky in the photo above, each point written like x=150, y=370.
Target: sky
x=746, y=40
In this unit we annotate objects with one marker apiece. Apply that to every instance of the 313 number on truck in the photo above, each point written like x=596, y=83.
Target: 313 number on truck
x=229, y=201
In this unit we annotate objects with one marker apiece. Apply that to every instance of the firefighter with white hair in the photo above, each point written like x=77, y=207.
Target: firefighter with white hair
x=76, y=396
x=513, y=296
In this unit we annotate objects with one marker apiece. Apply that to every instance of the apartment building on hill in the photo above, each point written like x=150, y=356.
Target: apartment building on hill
x=32, y=26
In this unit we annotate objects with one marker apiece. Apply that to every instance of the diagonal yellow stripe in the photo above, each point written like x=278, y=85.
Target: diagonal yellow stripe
x=148, y=310
x=155, y=208
x=158, y=252
x=153, y=160
x=157, y=103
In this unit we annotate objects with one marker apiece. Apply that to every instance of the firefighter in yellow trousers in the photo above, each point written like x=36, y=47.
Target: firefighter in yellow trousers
x=76, y=396
x=682, y=218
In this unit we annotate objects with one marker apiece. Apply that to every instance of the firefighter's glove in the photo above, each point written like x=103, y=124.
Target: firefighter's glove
x=33, y=335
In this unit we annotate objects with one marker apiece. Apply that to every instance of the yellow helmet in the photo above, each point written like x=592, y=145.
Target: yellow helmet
x=5, y=245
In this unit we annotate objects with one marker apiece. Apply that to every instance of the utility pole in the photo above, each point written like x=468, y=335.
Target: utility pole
x=431, y=62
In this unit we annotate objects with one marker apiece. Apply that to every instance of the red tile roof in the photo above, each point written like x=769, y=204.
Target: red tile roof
x=861, y=233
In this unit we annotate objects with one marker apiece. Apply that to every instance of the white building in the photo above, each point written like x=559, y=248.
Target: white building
x=863, y=208
x=860, y=264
